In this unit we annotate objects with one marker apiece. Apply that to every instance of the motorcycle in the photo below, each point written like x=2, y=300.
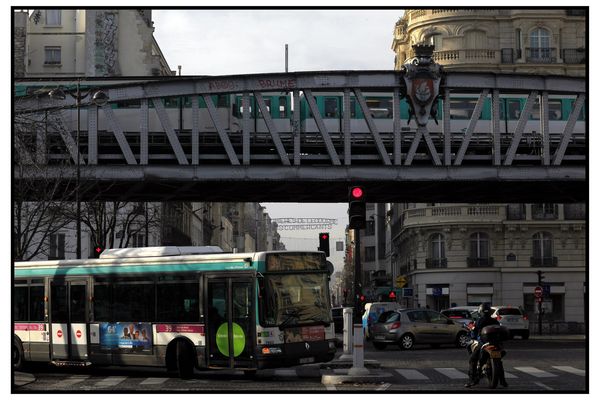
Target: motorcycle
x=492, y=352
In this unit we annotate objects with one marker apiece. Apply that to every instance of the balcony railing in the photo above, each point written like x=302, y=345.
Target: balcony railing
x=540, y=55
x=538, y=262
x=480, y=262
x=436, y=263
x=451, y=214
x=574, y=56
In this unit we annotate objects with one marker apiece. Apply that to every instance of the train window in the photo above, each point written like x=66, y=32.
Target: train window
x=171, y=102
x=222, y=100
x=462, y=108
x=283, y=107
x=127, y=104
x=514, y=108
x=380, y=108
x=554, y=110
x=268, y=104
x=331, y=107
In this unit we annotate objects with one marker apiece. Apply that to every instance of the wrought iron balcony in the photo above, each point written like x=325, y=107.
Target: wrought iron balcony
x=436, y=263
x=541, y=55
x=480, y=262
x=543, y=262
x=574, y=56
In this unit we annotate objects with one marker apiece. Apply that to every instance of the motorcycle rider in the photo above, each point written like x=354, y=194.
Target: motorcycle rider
x=484, y=320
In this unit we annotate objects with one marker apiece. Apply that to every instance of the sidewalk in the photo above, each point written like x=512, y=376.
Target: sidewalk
x=22, y=378
x=556, y=337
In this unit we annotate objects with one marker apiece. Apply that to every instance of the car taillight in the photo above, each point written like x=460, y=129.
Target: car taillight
x=395, y=325
x=525, y=318
x=498, y=318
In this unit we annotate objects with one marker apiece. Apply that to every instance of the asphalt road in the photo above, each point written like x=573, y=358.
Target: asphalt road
x=531, y=366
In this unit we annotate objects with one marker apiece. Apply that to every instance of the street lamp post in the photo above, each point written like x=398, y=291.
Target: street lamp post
x=99, y=98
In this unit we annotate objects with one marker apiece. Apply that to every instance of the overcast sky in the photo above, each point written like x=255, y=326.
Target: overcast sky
x=224, y=42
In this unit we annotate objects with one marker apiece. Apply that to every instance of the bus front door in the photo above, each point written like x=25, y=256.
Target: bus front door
x=230, y=322
x=68, y=305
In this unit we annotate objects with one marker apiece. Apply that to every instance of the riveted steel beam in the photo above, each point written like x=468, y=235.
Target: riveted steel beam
x=568, y=132
x=512, y=150
x=171, y=135
x=312, y=104
x=469, y=132
x=372, y=127
x=119, y=135
x=212, y=111
x=272, y=130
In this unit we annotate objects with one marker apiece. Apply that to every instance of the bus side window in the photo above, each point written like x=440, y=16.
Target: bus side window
x=36, y=304
x=102, y=303
x=20, y=303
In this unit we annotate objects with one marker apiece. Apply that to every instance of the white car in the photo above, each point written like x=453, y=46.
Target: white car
x=514, y=319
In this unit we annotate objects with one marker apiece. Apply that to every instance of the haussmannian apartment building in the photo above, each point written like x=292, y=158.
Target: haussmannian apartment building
x=466, y=254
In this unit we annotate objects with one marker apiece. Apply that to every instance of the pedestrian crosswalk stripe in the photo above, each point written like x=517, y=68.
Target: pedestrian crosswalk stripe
x=285, y=372
x=508, y=375
x=571, y=370
x=71, y=380
x=452, y=373
x=154, y=381
x=411, y=374
x=538, y=373
x=111, y=381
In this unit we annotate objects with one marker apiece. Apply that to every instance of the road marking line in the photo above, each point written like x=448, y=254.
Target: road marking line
x=285, y=372
x=540, y=384
x=570, y=370
x=331, y=387
x=153, y=381
x=411, y=374
x=70, y=381
x=508, y=375
x=383, y=387
x=111, y=381
x=538, y=373
x=452, y=373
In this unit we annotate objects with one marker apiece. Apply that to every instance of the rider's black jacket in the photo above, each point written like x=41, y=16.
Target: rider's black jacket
x=481, y=323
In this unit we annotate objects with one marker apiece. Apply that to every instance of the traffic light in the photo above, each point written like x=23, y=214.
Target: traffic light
x=97, y=251
x=324, y=243
x=540, y=277
x=357, y=207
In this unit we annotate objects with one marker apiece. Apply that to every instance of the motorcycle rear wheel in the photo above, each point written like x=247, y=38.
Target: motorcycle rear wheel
x=495, y=372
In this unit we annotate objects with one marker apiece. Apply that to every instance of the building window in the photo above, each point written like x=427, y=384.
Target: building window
x=475, y=40
x=57, y=246
x=138, y=240
x=370, y=228
x=53, y=17
x=539, y=42
x=52, y=55
x=436, y=41
x=542, y=250
x=437, y=251
x=544, y=211
x=480, y=251
x=369, y=253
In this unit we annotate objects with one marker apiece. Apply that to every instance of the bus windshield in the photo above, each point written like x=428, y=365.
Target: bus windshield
x=296, y=299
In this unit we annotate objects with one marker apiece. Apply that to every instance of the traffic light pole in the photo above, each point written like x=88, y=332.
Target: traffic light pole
x=539, y=304
x=357, y=277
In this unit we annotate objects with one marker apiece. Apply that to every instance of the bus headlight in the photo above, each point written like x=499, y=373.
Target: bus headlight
x=331, y=344
x=271, y=350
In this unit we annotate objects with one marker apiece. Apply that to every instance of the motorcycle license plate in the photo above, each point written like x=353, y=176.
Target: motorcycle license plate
x=307, y=360
x=495, y=354
x=379, y=337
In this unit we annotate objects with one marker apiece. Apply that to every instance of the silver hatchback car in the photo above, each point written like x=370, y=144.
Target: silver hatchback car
x=407, y=327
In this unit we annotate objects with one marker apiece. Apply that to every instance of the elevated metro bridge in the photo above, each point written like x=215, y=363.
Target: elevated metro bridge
x=307, y=136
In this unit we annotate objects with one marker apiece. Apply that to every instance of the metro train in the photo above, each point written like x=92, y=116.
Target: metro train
x=330, y=105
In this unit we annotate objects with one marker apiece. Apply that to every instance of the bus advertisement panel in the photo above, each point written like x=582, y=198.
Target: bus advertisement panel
x=126, y=336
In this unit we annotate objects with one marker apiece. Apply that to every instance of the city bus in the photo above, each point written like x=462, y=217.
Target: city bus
x=176, y=307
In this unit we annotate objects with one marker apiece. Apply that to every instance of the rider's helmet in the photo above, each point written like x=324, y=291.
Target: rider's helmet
x=485, y=309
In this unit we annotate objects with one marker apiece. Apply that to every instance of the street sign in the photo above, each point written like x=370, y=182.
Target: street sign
x=437, y=291
x=546, y=290
x=407, y=292
x=401, y=281
x=538, y=292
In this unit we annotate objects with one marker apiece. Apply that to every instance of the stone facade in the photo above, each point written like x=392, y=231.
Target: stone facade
x=548, y=42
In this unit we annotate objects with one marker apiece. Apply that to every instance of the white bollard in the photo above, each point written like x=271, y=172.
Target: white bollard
x=358, y=353
x=347, y=355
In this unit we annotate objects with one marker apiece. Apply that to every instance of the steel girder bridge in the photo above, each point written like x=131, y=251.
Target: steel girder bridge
x=224, y=141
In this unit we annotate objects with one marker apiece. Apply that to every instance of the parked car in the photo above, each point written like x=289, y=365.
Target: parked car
x=463, y=315
x=337, y=315
x=514, y=319
x=372, y=313
x=407, y=327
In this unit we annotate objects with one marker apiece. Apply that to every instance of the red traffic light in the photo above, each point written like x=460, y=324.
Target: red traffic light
x=324, y=236
x=392, y=295
x=362, y=297
x=98, y=250
x=357, y=193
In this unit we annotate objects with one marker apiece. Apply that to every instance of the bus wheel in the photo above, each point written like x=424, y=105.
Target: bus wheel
x=185, y=362
x=17, y=355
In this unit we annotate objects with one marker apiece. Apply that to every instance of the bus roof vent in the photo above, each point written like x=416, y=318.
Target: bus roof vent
x=162, y=251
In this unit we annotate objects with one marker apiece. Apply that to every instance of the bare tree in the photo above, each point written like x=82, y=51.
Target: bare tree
x=41, y=205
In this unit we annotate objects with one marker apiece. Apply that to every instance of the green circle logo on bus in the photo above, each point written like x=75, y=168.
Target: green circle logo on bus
x=239, y=339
